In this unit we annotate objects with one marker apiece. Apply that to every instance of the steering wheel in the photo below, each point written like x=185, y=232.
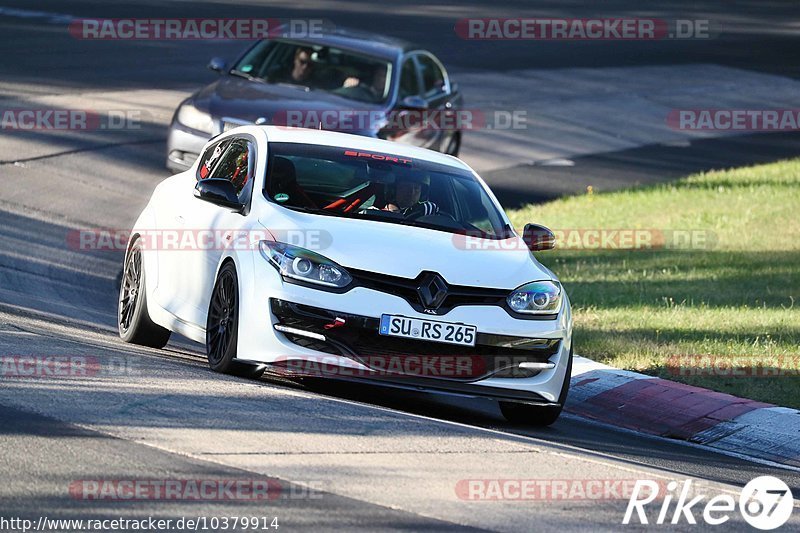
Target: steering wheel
x=360, y=92
x=421, y=214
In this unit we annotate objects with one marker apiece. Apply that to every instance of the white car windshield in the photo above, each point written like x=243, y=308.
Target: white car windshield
x=339, y=181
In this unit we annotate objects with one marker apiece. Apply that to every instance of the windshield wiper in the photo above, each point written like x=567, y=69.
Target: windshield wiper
x=246, y=76
x=298, y=86
x=304, y=209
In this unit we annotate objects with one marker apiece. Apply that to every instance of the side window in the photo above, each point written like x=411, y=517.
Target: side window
x=409, y=85
x=432, y=77
x=476, y=208
x=210, y=158
x=236, y=165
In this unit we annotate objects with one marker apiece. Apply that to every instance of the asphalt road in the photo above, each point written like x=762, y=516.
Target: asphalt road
x=382, y=460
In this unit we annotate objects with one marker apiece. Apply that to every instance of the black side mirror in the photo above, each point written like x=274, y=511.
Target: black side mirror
x=217, y=64
x=538, y=237
x=415, y=103
x=218, y=191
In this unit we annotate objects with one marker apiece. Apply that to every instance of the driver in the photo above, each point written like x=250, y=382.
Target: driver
x=407, y=194
x=301, y=70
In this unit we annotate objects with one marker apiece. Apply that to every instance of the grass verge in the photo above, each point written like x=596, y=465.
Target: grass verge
x=715, y=302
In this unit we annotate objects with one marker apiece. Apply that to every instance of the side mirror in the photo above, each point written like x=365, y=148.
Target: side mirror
x=454, y=87
x=538, y=237
x=217, y=64
x=218, y=191
x=415, y=103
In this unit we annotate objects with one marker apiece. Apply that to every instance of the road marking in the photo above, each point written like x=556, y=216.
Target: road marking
x=52, y=18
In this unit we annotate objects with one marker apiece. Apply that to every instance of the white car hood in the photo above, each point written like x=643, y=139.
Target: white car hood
x=405, y=251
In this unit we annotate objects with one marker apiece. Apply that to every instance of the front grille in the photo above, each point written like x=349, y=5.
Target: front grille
x=229, y=123
x=407, y=289
x=359, y=340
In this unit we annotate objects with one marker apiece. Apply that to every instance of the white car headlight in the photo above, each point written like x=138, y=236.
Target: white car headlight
x=305, y=265
x=191, y=117
x=536, y=298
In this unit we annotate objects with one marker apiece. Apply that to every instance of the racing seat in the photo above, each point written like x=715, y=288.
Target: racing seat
x=284, y=180
x=352, y=199
x=242, y=173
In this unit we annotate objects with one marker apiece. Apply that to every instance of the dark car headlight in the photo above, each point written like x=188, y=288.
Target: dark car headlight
x=536, y=298
x=304, y=265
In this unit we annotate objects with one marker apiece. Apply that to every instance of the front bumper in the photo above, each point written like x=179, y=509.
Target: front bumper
x=355, y=352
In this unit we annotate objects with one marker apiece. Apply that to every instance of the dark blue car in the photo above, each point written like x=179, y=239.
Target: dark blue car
x=344, y=80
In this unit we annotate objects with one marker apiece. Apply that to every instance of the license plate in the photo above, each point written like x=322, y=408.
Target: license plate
x=427, y=330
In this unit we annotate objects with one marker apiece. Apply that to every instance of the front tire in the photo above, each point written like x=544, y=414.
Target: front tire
x=222, y=324
x=536, y=415
x=133, y=320
x=222, y=328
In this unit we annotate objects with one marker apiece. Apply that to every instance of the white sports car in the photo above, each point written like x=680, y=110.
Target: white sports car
x=314, y=253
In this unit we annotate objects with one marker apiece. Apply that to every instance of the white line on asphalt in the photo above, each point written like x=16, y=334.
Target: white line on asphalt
x=52, y=18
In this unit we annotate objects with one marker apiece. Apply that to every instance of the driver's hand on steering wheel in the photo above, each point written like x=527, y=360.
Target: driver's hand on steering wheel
x=421, y=209
x=418, y=210
x=352, y=81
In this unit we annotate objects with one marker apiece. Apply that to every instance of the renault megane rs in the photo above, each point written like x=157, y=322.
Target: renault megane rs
x=321, y=253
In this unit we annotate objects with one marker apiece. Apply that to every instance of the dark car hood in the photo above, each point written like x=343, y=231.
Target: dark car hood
x=249, y=100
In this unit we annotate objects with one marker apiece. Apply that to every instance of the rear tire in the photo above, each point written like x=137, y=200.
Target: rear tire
x=133, y=320
x=537, y=415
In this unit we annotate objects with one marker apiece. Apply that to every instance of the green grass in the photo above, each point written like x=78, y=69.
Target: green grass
x=736, y=295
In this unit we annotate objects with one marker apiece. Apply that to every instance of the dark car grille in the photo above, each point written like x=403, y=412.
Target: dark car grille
x=410, y=291
x=358, y=339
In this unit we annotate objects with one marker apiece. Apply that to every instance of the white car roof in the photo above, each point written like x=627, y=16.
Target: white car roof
x=359, y=142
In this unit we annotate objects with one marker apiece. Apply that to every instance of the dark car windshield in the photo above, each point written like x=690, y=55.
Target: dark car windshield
x=343, y=182
x=347, y=74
